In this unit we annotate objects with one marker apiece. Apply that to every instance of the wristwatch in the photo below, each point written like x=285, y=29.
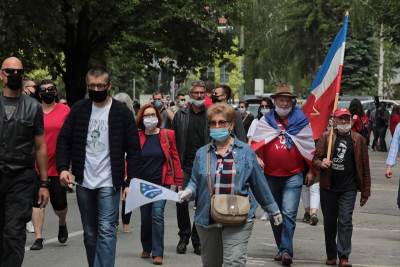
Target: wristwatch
x=45, y=184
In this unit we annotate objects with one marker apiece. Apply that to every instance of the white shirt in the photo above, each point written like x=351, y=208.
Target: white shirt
x=252, y=128
x=97, y=171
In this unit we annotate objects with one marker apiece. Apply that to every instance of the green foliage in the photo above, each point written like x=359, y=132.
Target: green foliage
x=68, y=36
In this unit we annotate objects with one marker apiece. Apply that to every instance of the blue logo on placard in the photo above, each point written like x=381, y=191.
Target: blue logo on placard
x=149, y=191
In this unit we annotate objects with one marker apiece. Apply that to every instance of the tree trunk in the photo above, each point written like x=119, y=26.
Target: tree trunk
x=77, y=55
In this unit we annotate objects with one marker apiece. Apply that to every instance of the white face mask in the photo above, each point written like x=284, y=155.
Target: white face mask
x=264, y=110
x=343, y=128
x=283, y=112
x=150, y=122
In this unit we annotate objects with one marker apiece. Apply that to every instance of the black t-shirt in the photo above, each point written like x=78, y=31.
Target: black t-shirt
x=343, y=165
x=195, y=137
x=10, y=106
x=153, y=159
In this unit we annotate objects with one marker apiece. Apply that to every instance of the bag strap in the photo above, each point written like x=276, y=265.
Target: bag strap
x=209, y=171
x=169, y=149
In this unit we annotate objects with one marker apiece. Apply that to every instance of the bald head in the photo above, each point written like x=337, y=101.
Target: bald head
x=12, y=63
x=11, y=73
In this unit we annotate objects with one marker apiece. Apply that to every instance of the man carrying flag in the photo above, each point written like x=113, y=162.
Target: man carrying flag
x=283, y=141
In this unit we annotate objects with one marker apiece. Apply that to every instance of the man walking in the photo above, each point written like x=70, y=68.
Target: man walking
x=95, y=138
x=285, y=146
x=191, y=133
x=345, y=172
x=21, y=143
x=222, y=94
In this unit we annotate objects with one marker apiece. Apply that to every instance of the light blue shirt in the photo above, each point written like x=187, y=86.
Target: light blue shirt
x=394, y=147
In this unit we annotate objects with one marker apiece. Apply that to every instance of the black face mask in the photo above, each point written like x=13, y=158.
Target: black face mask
x=14, y=81
x=98, y=96
x=48, y=97
x=215, y=99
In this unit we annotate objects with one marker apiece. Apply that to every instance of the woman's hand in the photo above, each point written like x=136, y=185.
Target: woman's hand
x=185, y=195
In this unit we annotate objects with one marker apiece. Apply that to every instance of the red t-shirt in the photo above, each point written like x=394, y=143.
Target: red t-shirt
x=358, y=123
x=394, y=120
x=53, y=122
x=278, y=160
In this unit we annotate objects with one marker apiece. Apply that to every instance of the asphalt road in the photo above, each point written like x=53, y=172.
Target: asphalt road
x=376, y=237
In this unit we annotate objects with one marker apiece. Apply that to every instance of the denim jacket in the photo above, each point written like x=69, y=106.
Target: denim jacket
x=249, y=176
x=394, y=147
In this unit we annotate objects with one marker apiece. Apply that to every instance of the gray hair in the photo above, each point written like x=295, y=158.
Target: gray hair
x=126, y=99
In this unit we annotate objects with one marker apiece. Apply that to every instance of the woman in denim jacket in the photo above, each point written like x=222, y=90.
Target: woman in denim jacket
x=233, y=166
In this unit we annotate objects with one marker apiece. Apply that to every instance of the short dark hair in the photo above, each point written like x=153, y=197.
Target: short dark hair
x=179, y=94
x=158, y=92
x=44, y=82
x=246, y=104
x=139, y=119
x=227, y=90
x=98, y=71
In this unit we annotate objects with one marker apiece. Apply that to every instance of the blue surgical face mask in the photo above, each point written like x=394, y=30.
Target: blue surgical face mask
x=219, y=134
x=158, y=104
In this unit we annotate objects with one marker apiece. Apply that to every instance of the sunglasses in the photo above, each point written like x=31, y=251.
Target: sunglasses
x=48, y=89
x=214, y=124
x=100, y=86
x=9, y=71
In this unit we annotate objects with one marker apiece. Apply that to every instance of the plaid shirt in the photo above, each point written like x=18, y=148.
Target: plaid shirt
x=225, y=172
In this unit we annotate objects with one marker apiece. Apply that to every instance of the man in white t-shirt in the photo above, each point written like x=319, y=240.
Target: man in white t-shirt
x=95, y=138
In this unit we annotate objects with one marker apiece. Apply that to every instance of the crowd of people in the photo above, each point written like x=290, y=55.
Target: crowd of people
x=225, y=160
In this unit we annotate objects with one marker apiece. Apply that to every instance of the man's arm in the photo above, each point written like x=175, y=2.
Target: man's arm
x=41, y=160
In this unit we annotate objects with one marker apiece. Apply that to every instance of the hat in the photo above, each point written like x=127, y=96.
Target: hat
x=283, y=90
x=341, y=112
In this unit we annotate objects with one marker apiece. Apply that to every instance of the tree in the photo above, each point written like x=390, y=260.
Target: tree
x=70, y=35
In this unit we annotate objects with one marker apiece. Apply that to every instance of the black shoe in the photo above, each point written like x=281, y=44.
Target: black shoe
x=181, y=247
x=314, y=219
x=286, y=259
x=37, y=245
x=306, y=217
x=62, y=234
x=197, y=249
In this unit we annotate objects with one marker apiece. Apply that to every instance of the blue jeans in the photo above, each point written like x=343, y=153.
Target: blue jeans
x=287, y=192
x=99, y=212
x=152, y=228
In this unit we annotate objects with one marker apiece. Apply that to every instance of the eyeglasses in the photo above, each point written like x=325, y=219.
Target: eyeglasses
x=150, y=115
x=215, y=124
x=264, y=106
x=9, y=71
x=100, y=86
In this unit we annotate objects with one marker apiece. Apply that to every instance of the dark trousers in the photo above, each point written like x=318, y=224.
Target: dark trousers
x=337, y=209
x=382, y=141
x=186, y=229
x=16, y=190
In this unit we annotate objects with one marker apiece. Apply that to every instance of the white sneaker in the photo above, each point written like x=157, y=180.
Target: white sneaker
x=29, y=227
x=264, y=217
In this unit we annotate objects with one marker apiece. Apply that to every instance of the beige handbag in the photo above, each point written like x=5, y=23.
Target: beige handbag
x=227, y=209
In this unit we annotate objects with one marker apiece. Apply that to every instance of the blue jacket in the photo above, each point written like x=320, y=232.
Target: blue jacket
x=249, y=175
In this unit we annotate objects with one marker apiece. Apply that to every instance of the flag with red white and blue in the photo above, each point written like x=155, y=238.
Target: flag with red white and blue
x=326, y=85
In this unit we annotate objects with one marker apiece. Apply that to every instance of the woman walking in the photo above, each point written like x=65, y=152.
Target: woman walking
x=224, y=172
